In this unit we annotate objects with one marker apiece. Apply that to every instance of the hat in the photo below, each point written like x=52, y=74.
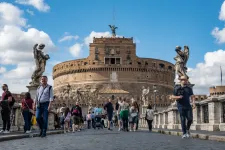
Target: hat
x=183, y=78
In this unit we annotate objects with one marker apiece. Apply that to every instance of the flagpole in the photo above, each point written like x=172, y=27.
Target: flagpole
x=221, y=75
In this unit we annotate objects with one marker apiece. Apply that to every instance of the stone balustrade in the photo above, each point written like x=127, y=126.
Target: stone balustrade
x=209, y=115
x=18, y=121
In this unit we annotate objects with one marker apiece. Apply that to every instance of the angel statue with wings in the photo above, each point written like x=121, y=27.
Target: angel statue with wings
x=181, y=61
x=144, y=94
x=113, y=28
x=40, y=61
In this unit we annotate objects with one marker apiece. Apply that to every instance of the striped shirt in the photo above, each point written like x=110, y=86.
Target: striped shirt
x=44, y=95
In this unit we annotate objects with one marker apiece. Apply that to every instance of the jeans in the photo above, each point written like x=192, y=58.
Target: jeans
x=42, y=117
x=149, y=124
x=6, y=119
x=185, y=113
x=27, y=119
x=89, y=124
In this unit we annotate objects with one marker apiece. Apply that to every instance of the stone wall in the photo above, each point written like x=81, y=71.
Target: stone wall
x=18, y=121
x=209, y=115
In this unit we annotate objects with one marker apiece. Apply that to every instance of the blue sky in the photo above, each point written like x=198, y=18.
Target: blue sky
x=157, y=26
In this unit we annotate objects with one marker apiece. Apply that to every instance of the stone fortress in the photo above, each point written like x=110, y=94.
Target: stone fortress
x=113, y=69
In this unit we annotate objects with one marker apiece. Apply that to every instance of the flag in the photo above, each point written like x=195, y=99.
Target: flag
x=221, y=75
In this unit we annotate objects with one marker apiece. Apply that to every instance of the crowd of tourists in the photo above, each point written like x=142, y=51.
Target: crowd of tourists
x=124, y=115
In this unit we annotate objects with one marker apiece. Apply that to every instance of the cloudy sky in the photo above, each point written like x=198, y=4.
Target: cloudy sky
x=68, y=27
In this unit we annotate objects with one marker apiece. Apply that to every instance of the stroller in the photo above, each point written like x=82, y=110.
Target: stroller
x=98, y=122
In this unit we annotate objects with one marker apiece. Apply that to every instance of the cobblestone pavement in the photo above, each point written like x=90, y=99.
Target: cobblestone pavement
x=110, y=140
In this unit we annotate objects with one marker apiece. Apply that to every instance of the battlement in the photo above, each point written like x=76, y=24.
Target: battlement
x=217, y=90
x=113, y=40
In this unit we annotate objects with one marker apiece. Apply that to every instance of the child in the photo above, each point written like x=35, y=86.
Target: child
x=89, y=118
x=67, y=116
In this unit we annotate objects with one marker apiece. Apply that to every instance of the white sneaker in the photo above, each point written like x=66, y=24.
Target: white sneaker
x=134, y=130
x=27, y=132
x=2, y=131
x=184, y=136
x=119, y=129
x=188, y=134
x=6, y=132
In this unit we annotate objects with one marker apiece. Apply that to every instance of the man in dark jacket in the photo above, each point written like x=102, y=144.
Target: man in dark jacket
x=109, y=108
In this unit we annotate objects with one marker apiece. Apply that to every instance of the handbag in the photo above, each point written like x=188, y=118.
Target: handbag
x=30, y=110
x=33, y=120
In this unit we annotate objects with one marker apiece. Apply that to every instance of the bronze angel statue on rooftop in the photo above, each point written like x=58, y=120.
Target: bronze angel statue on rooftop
x=181, y=61
x=40, y=62
x=113, y=28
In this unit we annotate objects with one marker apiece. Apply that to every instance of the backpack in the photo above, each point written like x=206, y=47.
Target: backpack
x=5, y=104
x=76, y=111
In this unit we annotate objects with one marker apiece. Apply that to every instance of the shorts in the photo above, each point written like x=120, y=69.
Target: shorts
x=110, y=117
x=76, y=120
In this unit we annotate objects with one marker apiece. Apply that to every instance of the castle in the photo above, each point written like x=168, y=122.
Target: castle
x=112, y=70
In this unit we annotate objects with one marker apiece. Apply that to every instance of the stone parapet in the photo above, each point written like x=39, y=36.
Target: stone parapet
x=208, y=115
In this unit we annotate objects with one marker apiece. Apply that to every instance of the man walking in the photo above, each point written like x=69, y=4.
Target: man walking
x=42, y=105
x=182, y=94
x=109, y=108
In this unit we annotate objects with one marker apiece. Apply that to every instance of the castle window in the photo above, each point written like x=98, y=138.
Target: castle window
x=139, y=63
x=146, y=63
x=117, y=60
x=113, y=61
x=130, y=63
x=161, y=65
x=85, y=63
x=169, y=67
x=107, y=60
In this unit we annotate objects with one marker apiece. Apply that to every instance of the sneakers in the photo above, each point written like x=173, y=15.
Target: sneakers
x=27, y=132
x=184, y=136
x=2, y=131
x=188, y=134
x=6, y=132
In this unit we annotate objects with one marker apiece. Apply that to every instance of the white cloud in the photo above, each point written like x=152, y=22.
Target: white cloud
x=222, y=12
x=219, y=35
x=11, y=15
x=16, y=47
x=30, y=12
x=75, y=50
x=89, y=39
x=38, y=4
x=68, y=38
x=2, y=70
x=207, y=73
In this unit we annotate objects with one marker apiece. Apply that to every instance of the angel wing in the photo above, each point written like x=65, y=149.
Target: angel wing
x=186, y=54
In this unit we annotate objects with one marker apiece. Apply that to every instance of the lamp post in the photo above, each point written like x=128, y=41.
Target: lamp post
x=68, y=91
x=154, y=90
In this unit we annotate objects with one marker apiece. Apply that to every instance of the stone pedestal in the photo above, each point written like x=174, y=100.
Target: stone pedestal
x=144, y=107
x=32, y=89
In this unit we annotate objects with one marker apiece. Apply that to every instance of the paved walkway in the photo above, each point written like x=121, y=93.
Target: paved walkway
x=111, y=140
x=219, y=133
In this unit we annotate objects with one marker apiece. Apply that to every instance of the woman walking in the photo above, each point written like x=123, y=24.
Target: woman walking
x=27, y=108
x=133, y=116
x=149, y=116
x=67, y=116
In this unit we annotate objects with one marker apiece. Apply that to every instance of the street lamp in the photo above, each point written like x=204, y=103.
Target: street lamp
x=154, y=90
x=68, y=91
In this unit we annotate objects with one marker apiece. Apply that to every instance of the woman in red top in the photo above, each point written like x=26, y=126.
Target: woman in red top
x=27, y=104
